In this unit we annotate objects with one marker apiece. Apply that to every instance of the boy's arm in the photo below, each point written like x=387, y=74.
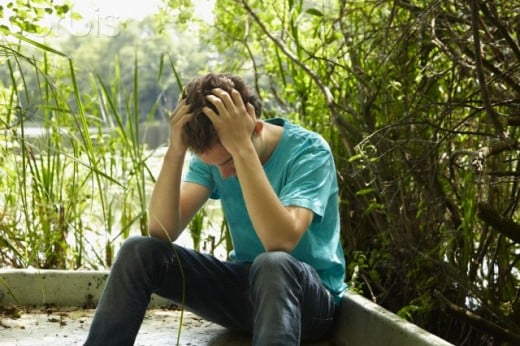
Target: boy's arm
x=277, y=226
x=172, y=204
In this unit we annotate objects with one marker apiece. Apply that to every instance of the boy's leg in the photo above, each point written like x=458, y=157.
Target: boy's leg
x=290, y=303
x=216, y=290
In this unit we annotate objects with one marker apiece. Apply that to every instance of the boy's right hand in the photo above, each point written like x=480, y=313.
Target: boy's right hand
x=180, y=116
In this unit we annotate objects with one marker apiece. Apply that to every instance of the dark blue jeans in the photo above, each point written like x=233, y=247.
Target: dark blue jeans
x=278, y=299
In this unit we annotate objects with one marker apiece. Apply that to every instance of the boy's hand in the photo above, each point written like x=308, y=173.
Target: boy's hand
x=180, y=116
x=234, y=122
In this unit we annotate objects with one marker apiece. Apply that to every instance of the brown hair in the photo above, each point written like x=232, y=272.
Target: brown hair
x=199, y=133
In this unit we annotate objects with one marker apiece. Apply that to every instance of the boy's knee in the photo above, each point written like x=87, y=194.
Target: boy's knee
x=139, y=246
x=274, y=264
x=272, y=259
x=274, y=276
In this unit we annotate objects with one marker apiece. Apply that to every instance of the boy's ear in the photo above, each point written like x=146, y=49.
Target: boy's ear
x=259, y=126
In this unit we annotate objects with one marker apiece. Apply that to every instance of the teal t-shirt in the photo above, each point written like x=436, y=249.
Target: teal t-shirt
x=301, y=171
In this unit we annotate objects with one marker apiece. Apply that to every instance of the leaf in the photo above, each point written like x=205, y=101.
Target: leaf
x=63, y=9
x=32, y=42
x=363, y=192
x=314, y=12
x=355, y=158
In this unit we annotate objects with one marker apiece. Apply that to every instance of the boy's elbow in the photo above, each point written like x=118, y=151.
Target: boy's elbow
x=161, y=233
x=286, y=242
x=285, y=246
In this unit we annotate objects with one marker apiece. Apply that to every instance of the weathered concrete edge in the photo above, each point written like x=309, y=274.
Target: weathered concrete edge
x=65, y=288
x=361, y=321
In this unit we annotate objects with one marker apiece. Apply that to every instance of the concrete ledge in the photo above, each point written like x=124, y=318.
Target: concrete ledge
x=66, y=288
x=361, y=322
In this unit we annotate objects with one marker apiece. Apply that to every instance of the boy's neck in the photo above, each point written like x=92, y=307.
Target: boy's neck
x=270, y=137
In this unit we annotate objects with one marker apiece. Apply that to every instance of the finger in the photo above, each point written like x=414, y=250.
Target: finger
x=181, y=118
x=179, y=105
x=218, y=103
x=210, y=113
x=237, y=99
x=182, y=107
x=177, y=125
x=251, y=110
x=178, y=120
x=231, y=99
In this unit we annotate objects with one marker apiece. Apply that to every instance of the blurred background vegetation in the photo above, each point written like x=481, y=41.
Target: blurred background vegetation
x=419, y=100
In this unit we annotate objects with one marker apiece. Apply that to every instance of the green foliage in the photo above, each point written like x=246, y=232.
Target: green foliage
x=74, y=191
x=22, y=16
x=418, y=100
x=424, y=132
x=50, y=176
x=159, y=55
x=196, y=228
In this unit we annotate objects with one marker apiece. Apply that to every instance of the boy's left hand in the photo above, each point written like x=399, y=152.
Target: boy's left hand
x=234, y=122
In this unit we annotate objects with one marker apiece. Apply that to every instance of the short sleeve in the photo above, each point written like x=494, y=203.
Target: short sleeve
x=311, y=179
x=202, y=174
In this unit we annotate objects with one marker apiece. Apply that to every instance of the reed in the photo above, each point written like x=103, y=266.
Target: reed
x=76, y=190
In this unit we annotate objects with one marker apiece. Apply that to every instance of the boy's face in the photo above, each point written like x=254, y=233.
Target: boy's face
x=219, y=157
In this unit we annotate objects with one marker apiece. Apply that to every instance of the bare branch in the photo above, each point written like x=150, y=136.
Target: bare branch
x=477, y=320
x=501, y=28
x=324, y=88
x=502, y=225
x=480, y=72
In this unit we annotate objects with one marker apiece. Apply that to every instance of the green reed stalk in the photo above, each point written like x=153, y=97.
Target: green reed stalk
x=76, y=167
x=13, y=102
x=85, y=134
x=124, y=120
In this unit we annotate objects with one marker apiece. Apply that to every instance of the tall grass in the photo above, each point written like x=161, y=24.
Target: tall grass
x=72, y=193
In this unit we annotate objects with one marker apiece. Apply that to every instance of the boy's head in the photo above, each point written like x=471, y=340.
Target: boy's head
x=199, y=133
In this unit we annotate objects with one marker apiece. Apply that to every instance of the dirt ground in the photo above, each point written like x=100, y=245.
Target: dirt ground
x=59, y=327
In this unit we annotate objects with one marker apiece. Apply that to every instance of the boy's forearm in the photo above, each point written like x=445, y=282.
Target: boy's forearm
x=271, y=220
x=164, y=208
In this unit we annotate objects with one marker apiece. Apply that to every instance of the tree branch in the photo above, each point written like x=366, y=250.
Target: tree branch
x=493, y=116
x=502, y=225
x=501, y=28
x=324, y=88
x=477, y=320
